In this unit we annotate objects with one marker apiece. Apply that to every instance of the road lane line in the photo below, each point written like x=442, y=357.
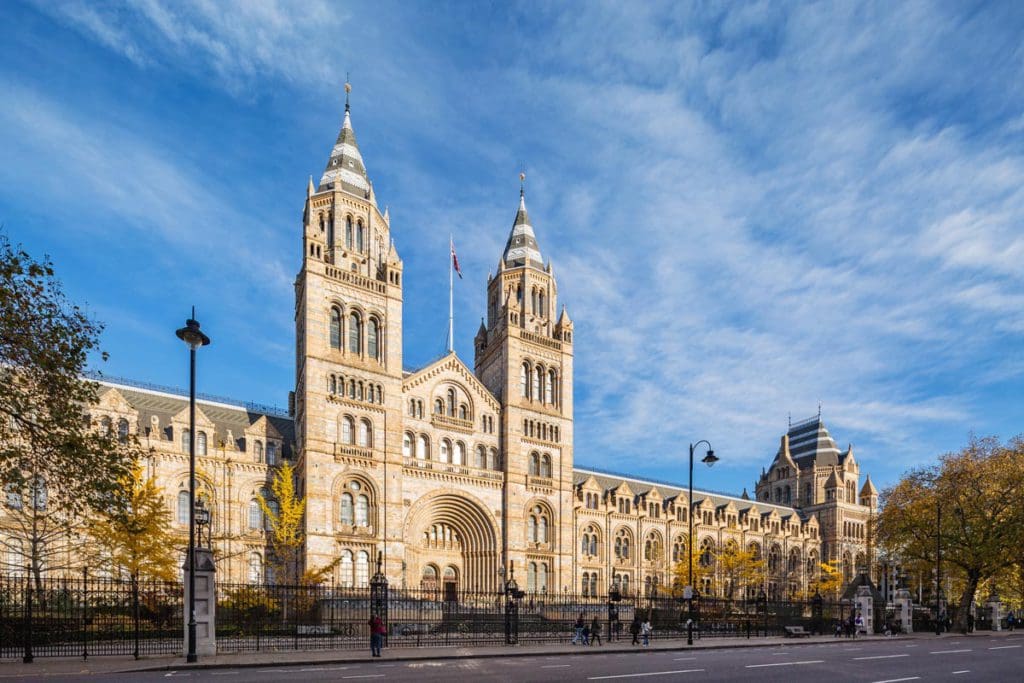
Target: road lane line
x=1004, y=647
x=809, y=661
x=886, y=657
x=650, y=673
x=897, y=680
x=556, y=666
x=947, y=652
x=364, y=676
x=684, y=659
x=963, y=671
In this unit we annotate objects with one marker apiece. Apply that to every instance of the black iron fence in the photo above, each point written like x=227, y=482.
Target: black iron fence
x=88, y=616
x=92, y=616
x=258, y=617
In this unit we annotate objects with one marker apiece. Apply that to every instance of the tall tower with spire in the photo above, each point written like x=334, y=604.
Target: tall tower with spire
x=348, y=365
x=524, y=356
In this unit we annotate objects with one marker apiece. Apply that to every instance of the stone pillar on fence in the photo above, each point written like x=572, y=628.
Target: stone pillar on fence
x=904, y=610
x=995, y=608
x=864, y=604
x=206, y=603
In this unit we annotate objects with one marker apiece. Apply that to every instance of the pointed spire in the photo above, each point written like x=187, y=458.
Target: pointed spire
x=868, y=488
x=345, y=169
x=522, y=249
x=745, y=496
x=309, y=188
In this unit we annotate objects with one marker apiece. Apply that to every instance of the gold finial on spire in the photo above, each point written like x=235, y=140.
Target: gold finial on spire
x=522, y=182
x=348, y=89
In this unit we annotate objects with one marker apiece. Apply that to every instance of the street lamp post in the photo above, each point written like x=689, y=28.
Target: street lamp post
x=709, y=459
x=192, y=337
x=938, y=569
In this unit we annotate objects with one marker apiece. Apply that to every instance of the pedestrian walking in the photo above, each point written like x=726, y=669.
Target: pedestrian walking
x=634, y=630
x=577, y=636
x=646, y=630
x=595, y=631
x=858, y=624
x=377, y=631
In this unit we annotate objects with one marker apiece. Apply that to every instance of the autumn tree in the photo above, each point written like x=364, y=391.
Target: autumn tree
x=738, y=569
x=701, y=570
x=829, y=582
x=284, y=512
x=136, y=540
x=976, y=491
x=48, y=450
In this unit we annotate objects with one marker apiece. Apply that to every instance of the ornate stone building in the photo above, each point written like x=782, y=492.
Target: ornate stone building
x=455, y=473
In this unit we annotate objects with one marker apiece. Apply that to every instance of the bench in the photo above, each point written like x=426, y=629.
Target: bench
x=796, y=631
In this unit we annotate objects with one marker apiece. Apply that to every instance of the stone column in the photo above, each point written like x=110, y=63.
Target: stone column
x=905, y=610
x=206, y=604
x=995, y=610
x=864, y=604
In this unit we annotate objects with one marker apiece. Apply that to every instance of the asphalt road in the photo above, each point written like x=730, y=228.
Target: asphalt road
x=973, y=658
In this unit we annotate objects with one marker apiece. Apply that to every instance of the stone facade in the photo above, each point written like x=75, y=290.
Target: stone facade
x=454, y=474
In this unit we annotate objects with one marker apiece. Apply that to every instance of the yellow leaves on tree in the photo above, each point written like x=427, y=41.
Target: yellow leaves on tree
x=284, y=515
x=681, y=572
x=830, y=580
x=738, y=569
x=136, y=538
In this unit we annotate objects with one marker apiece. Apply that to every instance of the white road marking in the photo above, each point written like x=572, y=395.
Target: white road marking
x=684, y=659
x=225, y=673
x=776, y=654
x=650, y=673
x=365, y=676
x=963, y=671
x=1003, y=647
x=886, y=657
x=809, y=661
x=910, y=646
x=947, y=652
x=852, y=649
x=556, y=666
x=897, y=680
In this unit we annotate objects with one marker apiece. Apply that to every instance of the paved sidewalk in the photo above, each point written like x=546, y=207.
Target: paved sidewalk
x=45, y=666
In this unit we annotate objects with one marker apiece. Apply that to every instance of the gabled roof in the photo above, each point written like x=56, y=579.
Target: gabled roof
x=449, y=362
x=810, y=443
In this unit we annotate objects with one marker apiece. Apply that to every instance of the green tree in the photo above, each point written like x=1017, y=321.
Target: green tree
x=136, y=540
x=982, y=521
x=46, y=444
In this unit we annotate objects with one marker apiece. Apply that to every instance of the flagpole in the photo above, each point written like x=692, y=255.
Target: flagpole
x=451, y=297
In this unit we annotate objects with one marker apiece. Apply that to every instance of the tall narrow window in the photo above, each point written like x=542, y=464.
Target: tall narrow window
x=365, y=437
x=269, y=520
x=183, y=507
x=538, y=374
x=535, y=464
x=347, y=515
x=459, y=458
x=201, y=443
x=255, y=568
x=348, y=232
x=543, y=311
x=14, y=496
x=406, y=446
x=359, y=236
x=355, y=333
x=271, y=453
x=347, y=430
x=422, y=448
x=545, y=465
x=186, y=443
x=446, y=451
x=345, y=569
x=542, y=529
x=524, y=381
x=481, y=457
x=335, y=328
x=255, y=515
x=362, y=569
x=122, y=430
x=542, y=577
x=257, y=451
x=549, y=387
x=451, y=403
x=531, y=577
x=362, y=511
x=372, y=345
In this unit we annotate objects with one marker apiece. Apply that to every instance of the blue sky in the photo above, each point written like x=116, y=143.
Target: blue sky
x=751, y=208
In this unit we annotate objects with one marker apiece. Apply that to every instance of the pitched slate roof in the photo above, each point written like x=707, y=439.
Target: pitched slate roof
x=165, y=405
x=522, y=249
x=810, y=443
x=345, y=165
x=608, y=481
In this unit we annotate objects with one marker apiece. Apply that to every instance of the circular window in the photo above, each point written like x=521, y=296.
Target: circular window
x=355, y=486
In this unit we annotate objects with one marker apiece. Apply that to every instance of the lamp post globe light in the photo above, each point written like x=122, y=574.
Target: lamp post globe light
x=193, y=338
x=709, y=459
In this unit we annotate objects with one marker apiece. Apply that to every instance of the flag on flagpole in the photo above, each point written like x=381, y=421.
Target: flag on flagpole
x=455, y=259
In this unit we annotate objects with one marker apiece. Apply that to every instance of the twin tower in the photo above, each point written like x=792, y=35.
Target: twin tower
x=450, y=475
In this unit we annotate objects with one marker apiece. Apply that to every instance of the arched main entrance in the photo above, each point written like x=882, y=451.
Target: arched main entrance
x=452, y=544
